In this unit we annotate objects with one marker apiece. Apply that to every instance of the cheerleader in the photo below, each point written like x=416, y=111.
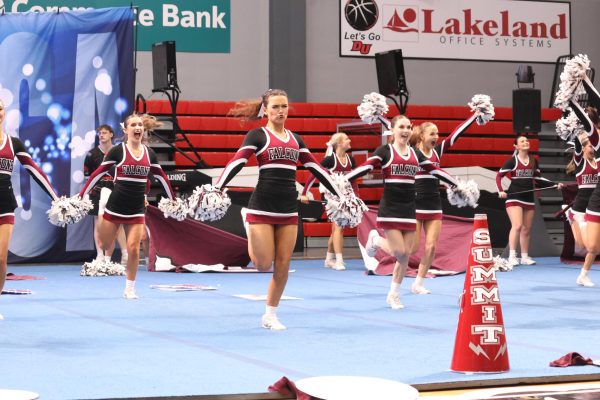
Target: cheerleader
x=11, y=148
x=93, y=159
x=585, y=168
x=337, y=160
x=133, y=162
x=396, y=215
x=522, y=170
x=591, y=237
x=428, y=201
x=272, y=213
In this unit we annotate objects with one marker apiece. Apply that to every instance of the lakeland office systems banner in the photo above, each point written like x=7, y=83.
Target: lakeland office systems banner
x=198, y=26
x=500, y=30
x=62, y=75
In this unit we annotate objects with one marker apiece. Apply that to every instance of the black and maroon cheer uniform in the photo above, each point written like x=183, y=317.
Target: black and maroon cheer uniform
x=12, y=148
x=428, y=201
x=126, y=204
x=397, y=205
x=274, y=200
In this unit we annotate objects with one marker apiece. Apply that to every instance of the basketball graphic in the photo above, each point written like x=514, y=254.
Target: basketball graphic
x=362, y=15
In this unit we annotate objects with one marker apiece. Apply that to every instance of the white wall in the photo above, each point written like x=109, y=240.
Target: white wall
x=335, y=79
x=241, y=74
x=244, y=73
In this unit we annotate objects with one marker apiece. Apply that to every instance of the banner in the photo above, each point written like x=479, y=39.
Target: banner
x=199, y=26
x=63, y=74
x=494, y=30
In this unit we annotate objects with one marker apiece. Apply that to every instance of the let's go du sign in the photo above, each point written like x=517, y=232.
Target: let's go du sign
x=500, y=30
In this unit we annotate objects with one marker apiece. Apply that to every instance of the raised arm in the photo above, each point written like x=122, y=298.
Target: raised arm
x=159, y=174
x=453, y=137
x=588, y=125
x=34, y=170
x=253, y=142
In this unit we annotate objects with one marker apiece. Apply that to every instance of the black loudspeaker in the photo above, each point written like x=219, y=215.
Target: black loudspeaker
x=390, y=72
x=527, y=110
x=164, y=68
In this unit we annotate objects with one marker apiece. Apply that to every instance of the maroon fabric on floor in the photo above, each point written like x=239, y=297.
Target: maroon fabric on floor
x=571, y=359
x=192, y=242
x=452, y=250
x=287, y=388
x=12, y=277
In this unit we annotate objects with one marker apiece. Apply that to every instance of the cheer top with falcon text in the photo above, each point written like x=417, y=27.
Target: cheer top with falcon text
x=334, y=165
x=126, y=203
x=274, y=200
x=397, y=205
x=11, y=148
x=522, y=178
x=429, y=203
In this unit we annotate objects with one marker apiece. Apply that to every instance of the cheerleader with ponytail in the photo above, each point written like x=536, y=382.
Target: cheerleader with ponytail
x=337, y=160
x=585, y=168
x=429, y=204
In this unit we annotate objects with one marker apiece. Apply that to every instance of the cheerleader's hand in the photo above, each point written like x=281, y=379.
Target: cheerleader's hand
x=502, y=195
x=304, y=199
x=559, y=186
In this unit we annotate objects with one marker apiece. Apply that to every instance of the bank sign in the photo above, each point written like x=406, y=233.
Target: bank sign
x=499, y=30
x=199, y=26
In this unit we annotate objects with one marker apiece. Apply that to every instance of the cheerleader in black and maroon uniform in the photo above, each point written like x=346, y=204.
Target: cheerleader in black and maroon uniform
x=126, y=206
x=93, y=159
x=337, y=160
x=591, y=238
x=272, y=212
x=11, y=148
x=522, y=170
x=428, y=201
x=397, y=215
x=585, y=168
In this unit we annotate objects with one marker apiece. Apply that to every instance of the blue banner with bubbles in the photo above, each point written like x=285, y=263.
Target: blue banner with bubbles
x=62, y=74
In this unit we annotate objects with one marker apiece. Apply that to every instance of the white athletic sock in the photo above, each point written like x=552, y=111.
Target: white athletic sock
x=129, y=285
x=512, y=253
x=270, y=310
x=418, y=281
x=339, y=258
x=524, y=255
x=394, y=287
x=99, y=255
x=330, y=256
x=583, y=273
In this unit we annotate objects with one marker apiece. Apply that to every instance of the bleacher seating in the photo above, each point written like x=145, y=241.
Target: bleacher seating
x=216, y=136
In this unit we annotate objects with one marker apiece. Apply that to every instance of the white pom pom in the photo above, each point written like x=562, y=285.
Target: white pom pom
x=373, y=109
x=101, y=268
x=464, y=194
x=568, y=127
x=345, y=211
x=208, y=203
x=570, y=80
x=482, y=105
x=502, y=264
x=176, y=208
x=69, y=210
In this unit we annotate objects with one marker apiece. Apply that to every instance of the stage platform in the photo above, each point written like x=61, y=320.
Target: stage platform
x=77, y=338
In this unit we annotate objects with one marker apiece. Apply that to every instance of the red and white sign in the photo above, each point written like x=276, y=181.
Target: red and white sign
x=500, y=30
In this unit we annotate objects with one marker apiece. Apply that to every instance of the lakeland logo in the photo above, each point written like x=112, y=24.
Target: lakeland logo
x=361, y=15
x=397, y=24
x=503, y=25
